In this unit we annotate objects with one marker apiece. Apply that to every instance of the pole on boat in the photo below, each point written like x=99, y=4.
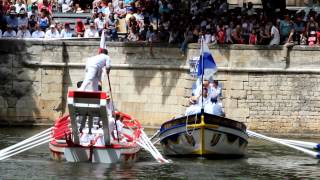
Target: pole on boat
x=115, y=121
x=285, y=143
x=202, y=75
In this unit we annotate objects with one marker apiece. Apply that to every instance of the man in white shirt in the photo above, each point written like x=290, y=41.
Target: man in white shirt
x=100, y=22
x=9, y=33
x=38, y=33
x=94, y=68
x=121, y=11
x=52, y=32
x=66, y=32
x=91, y=31
x=23, y=32
x=19, y=5
x=206, y=103
x=275, y=35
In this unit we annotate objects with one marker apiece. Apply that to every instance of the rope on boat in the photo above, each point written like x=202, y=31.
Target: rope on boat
x=194, y=127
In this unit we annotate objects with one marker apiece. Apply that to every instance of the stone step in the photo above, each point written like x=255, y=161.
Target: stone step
x=72, y=15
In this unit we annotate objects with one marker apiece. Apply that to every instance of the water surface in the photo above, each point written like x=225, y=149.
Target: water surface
x=264, y=161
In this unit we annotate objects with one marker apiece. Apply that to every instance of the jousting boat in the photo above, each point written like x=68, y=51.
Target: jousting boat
x=94, y=137
x=204, y=135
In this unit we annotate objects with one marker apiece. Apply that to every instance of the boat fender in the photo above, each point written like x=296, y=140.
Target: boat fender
x=90, y=151
x=69, y=140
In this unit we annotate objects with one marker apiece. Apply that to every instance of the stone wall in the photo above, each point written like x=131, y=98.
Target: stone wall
x=272, y=89
x=147, y=82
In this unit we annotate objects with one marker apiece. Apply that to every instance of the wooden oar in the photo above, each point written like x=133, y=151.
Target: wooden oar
x=25, y=146
x=146, y=144
x=30, y=143
x=306, y=151
x=30, y=147
x=45, y=132
x=304, y=144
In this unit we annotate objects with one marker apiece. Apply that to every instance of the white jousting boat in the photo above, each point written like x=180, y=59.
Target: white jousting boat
x=95, y=143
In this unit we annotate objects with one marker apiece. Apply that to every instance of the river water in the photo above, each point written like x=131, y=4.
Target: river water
x=264, y=161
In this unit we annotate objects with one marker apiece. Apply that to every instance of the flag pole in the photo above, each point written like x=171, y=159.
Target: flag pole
x=201, y=46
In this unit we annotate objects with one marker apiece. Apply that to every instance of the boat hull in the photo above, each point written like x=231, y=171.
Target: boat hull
x=208, y=136
x=62, y=152
x=62, y=147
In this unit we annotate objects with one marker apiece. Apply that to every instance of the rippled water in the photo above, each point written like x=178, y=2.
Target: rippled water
x=264, y=161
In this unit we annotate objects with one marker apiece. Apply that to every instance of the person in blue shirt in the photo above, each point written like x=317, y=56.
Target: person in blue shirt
x=12, y=20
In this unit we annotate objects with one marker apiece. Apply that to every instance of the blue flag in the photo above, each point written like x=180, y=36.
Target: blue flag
x=209, y=65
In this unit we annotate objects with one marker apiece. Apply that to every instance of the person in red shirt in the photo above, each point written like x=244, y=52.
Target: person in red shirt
x=80, y=28
x=221, y=34
x=318, y=36
x=45, y=4
x=253, y=37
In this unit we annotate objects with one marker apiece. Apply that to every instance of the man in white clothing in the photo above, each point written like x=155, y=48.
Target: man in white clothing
x=9, y=33
x=23, y=32
x=94, y=68
x=38, y=33
x=52, y=32
x=91, y=31
x=66, y=32
x=19, y=5
x=206, y=103
x=275, y=35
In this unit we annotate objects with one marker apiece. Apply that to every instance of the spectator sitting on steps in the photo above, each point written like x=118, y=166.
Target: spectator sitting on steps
x=79, y=28
x=66, y=32
x=91, y=32
x=38, y=33
x=9, y=33
x=22, y=19
x=52, y=32
x=12, y=20
x=23, y=32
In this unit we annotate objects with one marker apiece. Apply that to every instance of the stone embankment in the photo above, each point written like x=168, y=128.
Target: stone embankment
x=271, y=89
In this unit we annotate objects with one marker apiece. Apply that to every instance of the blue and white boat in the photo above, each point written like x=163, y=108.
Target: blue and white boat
x=204, y=134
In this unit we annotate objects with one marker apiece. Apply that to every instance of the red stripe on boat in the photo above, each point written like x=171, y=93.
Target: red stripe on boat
x=85, y=94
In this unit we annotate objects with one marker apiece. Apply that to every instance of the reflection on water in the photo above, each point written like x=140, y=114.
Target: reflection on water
x=264, y=161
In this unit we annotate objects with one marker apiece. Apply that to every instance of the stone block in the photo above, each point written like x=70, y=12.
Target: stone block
x=27, y=102
x=52, y=96
x=238, y=94
x=239, y=77
x=3, y=103
x=52, y=71
x=51, y=79
x=237, y=112
x=27, y=74
x=234, y=85
x=6, y=60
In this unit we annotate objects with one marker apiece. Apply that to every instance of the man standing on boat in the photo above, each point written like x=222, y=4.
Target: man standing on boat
x=94, y=67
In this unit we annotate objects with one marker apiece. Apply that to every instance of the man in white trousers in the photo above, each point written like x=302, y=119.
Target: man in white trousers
x=94, y=69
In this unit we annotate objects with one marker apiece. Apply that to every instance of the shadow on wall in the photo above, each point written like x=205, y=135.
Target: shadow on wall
x=66, y=79
x=156, y=55
x=18, y=84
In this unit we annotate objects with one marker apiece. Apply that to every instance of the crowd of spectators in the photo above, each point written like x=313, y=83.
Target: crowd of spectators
x=171, y=21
